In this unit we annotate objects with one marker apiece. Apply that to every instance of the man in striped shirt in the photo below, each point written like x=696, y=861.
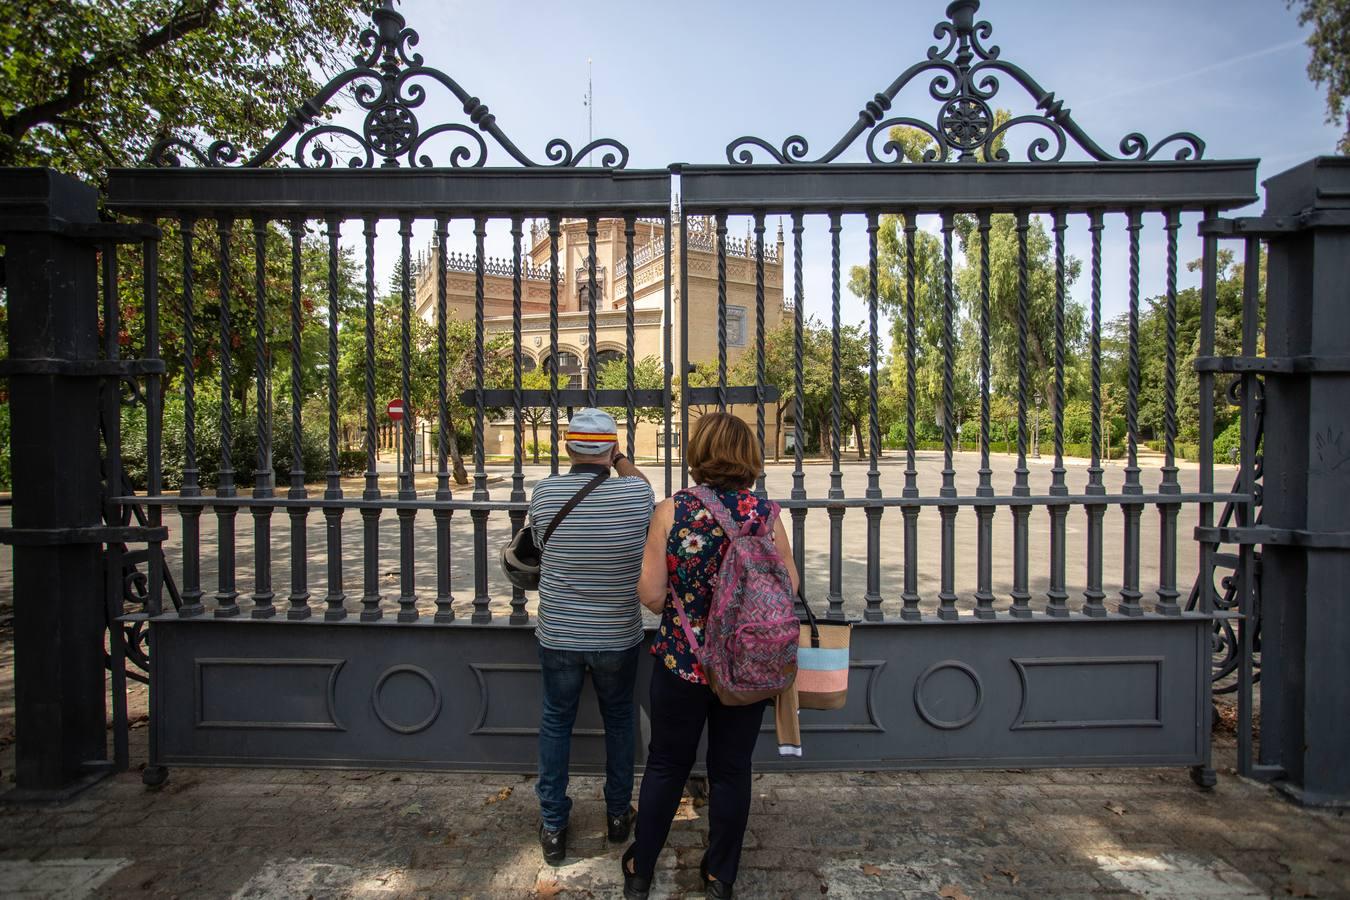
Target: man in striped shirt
x=589, y=618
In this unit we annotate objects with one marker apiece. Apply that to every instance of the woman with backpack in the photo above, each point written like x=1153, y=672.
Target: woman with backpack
x=717, y=672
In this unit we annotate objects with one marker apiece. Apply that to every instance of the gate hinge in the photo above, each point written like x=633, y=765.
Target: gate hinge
x=82, y=368
x=1274, y=365
x=1274, y=226
x=1285, y=537
x=90, y=534
x=92, y=232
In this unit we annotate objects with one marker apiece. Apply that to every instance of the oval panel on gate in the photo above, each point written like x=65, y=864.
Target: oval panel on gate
x=948, y=695
x=406, y=699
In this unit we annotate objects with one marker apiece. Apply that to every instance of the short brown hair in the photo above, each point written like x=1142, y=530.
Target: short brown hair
x=723, y=452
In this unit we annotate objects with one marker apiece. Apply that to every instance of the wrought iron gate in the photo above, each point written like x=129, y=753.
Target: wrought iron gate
x=431, y=678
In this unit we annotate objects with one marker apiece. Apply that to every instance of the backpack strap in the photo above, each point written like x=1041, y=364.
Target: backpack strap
x=684, y=619
x=713, y=504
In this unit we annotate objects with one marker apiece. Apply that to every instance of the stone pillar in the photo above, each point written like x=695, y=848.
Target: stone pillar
x=1305, y=677
x=59, y=620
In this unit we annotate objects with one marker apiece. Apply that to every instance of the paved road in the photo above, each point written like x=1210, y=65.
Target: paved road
x=779, y=484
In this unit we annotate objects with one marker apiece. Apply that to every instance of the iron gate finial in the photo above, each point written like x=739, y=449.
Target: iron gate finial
x=965, y=79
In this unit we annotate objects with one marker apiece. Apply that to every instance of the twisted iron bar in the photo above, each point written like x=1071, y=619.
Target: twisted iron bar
x=1170, y=371
x=911, y=413
x=297, y=370
x=554, y=232
x=760, y=376
x=385, y=81
x=722, y=312
x=479, y=475
x=591, y=302
x=630, y=375
x=443, y=490
x=965, y=124
x=948, y=360
x=985, y=487
x=262, y=476
x=372, y=489
x=334, y=488
x=1023, y=328
x=1059, y=226
x=188, y=229
x=405, y=354
x=836, y=488
x=798, y=351
x=874, y=424
x=1132, y=396
x=225, y=473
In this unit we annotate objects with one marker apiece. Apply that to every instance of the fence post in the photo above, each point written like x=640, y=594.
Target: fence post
x=1305, y=678
x=51, y=285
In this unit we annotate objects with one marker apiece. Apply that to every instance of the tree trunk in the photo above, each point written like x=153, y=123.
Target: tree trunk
x=857, y=434
x=457, y=461
x=534, y=429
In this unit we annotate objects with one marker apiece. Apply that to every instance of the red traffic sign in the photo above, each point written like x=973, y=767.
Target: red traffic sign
x=395, y=409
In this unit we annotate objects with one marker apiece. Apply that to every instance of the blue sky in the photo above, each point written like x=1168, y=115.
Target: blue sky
x=677, y=82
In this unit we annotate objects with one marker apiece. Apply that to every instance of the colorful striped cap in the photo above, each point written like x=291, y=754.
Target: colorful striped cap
x=591, y=432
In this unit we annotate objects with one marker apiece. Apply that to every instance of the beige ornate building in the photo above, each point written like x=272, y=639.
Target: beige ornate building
x=611, y=302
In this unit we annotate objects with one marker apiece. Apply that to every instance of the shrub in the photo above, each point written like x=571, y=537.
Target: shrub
x=351, y=462
x=244, y=449
x=1228, y=443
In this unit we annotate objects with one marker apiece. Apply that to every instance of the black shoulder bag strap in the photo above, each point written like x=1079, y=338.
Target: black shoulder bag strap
x=571, y=505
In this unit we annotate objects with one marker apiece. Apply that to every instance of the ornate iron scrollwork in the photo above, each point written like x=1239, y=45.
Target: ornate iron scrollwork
x=1225, y=644
x=965, y=79
x=386, y=81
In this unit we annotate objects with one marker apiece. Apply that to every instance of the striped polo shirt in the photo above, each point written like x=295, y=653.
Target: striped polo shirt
x=590, y=566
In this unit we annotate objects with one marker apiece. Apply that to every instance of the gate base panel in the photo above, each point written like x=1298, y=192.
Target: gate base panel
x=459, y=697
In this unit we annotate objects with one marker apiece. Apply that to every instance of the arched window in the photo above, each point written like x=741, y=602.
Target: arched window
x=568, y=367
x=527, y=364
x=603, y=358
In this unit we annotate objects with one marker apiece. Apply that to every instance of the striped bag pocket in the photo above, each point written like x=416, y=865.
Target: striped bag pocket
x=822, y=663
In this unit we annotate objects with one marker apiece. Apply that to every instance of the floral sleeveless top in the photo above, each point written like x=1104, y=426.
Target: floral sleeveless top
x=694, y=554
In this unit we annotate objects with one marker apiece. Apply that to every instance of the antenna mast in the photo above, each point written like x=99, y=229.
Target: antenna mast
x=590, y=111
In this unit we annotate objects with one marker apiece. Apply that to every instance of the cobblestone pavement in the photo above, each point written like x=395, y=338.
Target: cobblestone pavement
x=262, y=833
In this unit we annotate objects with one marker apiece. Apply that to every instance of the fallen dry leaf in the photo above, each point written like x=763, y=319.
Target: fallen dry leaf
x=869, y=869
x=546, y=890
x=1299, y=890
x=1011, y=875
x=498, y=797
x=1115, y=808
x=953, y=892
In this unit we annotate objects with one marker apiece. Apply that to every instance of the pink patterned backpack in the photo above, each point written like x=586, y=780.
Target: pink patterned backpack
x=749, y=650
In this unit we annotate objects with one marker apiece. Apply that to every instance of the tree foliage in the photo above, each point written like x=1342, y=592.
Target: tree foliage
x=91, y=85
x=1329, y=65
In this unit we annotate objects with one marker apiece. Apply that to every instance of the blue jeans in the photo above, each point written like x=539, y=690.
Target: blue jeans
x=613, y=674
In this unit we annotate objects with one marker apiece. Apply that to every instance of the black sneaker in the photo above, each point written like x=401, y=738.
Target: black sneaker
x=620, y=826
x=554, y=844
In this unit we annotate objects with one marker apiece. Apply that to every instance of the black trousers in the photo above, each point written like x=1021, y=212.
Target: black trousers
x=679, y=710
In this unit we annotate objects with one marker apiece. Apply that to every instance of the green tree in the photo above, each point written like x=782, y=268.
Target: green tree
x=91, y=85
x=648, y=375
x=1329, y=65
x=534, y=416
x=423, y=368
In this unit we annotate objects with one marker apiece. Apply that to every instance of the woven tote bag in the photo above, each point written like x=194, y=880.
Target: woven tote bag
x=822, y=663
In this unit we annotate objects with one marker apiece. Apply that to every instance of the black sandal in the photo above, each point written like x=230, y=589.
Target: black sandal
x=635, y=887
